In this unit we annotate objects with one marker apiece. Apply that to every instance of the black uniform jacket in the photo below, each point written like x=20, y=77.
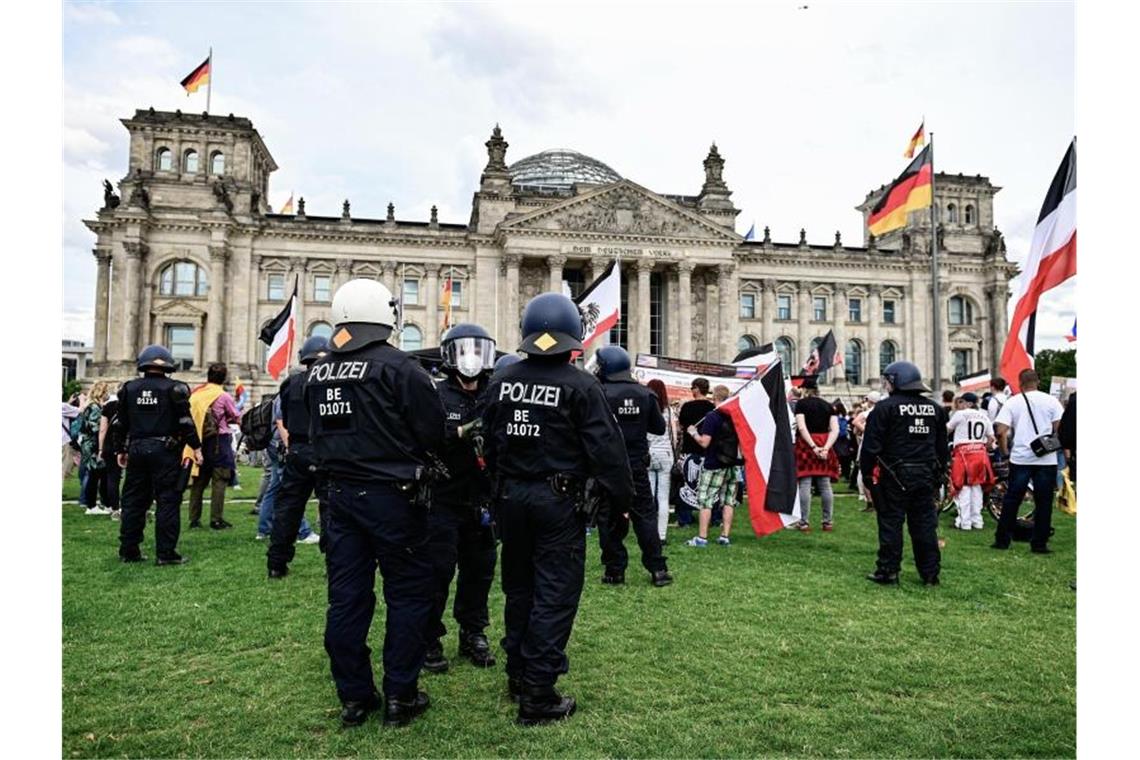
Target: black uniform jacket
x=374, y=414
x=544, y=418
x=637, y=412
x=154, y=406
x=904, y=428
x=294, y=410
x=466, y=482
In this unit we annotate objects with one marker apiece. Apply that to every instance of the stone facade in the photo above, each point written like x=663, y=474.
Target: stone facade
x=188, y=254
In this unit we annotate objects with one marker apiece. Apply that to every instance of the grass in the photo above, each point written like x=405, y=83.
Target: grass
x=773, y=646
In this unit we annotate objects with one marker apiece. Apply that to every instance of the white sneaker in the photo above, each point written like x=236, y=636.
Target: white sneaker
x=978, y=525
x=97, y=511
x=260, y=537
x=312, y=538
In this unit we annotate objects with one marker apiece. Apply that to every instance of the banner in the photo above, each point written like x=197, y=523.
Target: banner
x=678, y=374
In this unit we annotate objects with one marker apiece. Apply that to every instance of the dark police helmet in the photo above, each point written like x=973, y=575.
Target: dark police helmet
x=155, y=356
x=551, y=325
x=313, y=348
x=467, y=349
x=506, y=360
x=612, y=361
x=904, y=376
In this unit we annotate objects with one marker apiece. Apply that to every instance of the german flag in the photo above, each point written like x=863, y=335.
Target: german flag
x=197, y=77
x=910, y=192
x=918, y=139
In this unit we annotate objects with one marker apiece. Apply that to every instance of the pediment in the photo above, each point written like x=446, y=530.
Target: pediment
x=965, y=334
x=623, y=208
x=179, y=308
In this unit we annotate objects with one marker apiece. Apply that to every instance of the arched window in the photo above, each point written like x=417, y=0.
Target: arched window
x=190, y=162
x=952, y=213
x=165, y=160
x=786, y=349
x=183, y=278
x=969, y=214
x=887, y=353
x=745, y=342
x=323, y=329
x=217, y=163
x=853, y=362
x=411, y=338
x=961, y=311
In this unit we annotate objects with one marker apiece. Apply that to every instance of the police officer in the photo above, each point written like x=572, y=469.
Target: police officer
x=150, y=429
x=298, y=471
x=905, y=440
x=460, y=519
x=505, y=361
x=375, y=421
x=638, y=413
x=548, y=428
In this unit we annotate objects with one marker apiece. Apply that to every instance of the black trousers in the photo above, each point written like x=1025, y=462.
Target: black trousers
x=298, y=482
x=370, y=526
x=916, y=506
x=615, y=527
x=457, y=540
x=152, y=475
x=104, y=483
x=543, y=568
x=1044, y=479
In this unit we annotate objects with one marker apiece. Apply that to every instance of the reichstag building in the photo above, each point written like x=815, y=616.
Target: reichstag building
x=189, y=255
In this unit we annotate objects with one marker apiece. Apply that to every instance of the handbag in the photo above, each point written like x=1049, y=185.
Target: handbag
x=1042, y=444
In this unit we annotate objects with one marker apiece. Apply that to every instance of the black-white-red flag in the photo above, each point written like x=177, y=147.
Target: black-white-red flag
x=824, y=356
x=600, y=304
x=1052, y=260
x=280, y=335
x=760, y=415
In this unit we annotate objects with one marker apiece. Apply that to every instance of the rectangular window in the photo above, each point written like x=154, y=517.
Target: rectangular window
x=456, y=294
x=576, y=279
x=747, y=306
x=322, y=288
x=956, y=311
x=185, y=276
x=855, y=309
x=180, y=341
x=656, y=314
x=276, y=287
x=889, y=312
x=783, y=307
x=411, y=292
x=819, y=308
x=961, y=362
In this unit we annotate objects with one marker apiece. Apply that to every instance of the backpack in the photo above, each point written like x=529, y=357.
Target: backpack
x=257, y=424
x=74, y=430
x=726, y=447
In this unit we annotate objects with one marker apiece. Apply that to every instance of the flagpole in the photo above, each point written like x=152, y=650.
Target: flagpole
x=210, y=81
x=937, y=311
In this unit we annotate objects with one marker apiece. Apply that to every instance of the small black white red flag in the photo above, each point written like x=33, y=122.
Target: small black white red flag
x=280, y=335
x=824, y=356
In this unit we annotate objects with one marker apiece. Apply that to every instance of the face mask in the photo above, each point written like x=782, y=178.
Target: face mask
x=469, y=364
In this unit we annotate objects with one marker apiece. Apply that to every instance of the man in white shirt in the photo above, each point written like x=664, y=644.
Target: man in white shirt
x=972, y=433
x=997, y=398
x=1031, y=414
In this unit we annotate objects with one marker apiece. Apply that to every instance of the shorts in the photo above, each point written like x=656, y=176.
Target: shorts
x=717, y=486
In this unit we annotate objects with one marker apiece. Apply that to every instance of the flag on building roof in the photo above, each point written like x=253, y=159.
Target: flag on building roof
x=751, y=234
x=760, y=416
x=1052, y=260
x=600, y=304
x=910, y=192
x=287, y=207
x=823, y=356
x=279, y=335
x=918, y=139
x=198, y=77
x=1072, y=336
x=979, y=381
x=445, y=299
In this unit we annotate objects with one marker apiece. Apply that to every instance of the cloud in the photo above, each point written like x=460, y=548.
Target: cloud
x=154, y=51
x=91, y=13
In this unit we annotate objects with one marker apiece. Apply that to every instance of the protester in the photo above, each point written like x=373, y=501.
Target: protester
x=859, y=424
x=843, y=448
x=970, y=471
x=995, y=398
x=213, y=411
x=662, y=455
x=89, y=453
x=817, y=429
x=948, y=402
x=70, y=412
x=691, y=413
x=718, y=480
x=112, y=473
x=1067, y=433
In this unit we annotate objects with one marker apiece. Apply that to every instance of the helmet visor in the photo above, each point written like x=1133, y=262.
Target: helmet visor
x=469, y=356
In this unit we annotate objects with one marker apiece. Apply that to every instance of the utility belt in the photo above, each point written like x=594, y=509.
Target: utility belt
x=169, y=442
x=911, y=476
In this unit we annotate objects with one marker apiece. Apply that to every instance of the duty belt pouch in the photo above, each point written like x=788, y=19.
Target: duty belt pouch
x=915, y=475
x=1042, y=444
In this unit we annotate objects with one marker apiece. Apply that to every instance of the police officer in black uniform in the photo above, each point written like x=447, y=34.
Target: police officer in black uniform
x=298, y=471
x=460, y=519
x=548, y=428
x=152, y=426
x=375, y=422
x=905, y=439
x=637, y=412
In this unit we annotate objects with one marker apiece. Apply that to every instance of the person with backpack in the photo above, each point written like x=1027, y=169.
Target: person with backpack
x=213, y=411
x=717, y=485
x=817, y=430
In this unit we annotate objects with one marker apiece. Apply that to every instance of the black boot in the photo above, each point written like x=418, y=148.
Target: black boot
x=543, y=704
x=662, y=578
x=435, y=662
x=515, y=688
x=473, y=645
x=354, y=713
x=883, y=578
x=401, y=712
x=277, y=573
x=613, y=579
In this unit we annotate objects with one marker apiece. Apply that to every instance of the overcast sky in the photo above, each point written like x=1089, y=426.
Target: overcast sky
x=810, y=108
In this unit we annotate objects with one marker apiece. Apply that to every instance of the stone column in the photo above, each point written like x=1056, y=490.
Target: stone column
x=729, y=310
x=768, y=311
x=874, y=316
x=215, y=317
x=803, y=320
x=685, y=308
x=712, y=318
x=343, y=274
x=252, y=343
x=389, y=278
x=133, y=292
x=641, y=342
x=597, y=265
x=297, y=265
x=431, y=320
x=556, y=262
x=511, y=262
x=102, y=288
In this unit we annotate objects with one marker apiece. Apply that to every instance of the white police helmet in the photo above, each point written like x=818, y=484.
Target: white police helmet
x=363, y=312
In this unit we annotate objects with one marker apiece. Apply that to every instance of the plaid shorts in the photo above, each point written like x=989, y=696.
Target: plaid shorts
x=717, y=486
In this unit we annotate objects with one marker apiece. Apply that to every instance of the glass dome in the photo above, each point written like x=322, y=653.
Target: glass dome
x=559, y=170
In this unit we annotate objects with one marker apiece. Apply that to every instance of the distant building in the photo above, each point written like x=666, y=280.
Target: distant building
x=191, y=257
x=76, y=357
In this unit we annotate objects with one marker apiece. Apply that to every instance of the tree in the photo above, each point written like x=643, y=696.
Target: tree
x=1049, y=363
x=70, y=388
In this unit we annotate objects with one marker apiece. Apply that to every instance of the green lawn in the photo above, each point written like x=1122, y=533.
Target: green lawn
x=776, y=646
